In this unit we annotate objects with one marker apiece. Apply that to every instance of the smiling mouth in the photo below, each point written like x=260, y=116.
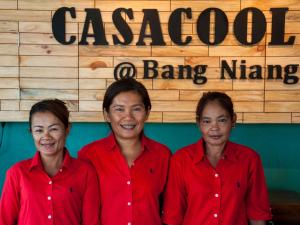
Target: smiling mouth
x=128, y=126
x=48, y=145
x=215, y=136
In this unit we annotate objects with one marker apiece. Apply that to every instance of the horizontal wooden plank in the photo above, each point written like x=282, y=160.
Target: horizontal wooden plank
x=25, y=15
x=43, y=38
x=8, y=27
x=267, y=118
x=93, y=106
x=140, y=62
x=9, y=38
x=287, y=36
x=155, y=117
x=9, y=71
x=211, y=84
x=36, y=94
x=48, y=72
x=91, y=95
x=237, y=51
x=10, y=105
x=180, y=51
x=92, y=83
x=44, y=27
x=27, y=104
x=14, y=116
x=279, y=85
x=138, y=17
x=295, y=117
x=286, y=106
x=244, y=61
x=248, y=106
x=9, y=82
x=95, y=62
x=135, y=5
x=248, y=85
x=287, y=95
x=9, y=49
x=174, y=106
x=282, y=60
x=86, y=117
x=54, y=4
x=179, y=117
x=47, y=83
x=114, y=51
x=6, y=93
x=293, y=50
x=290, y=27
x=229, y=5
x=251, y=96
x=164, y=95
x=8, y=4
x=204, y=60
x=266, y=5
x=55, y=61
x=61, y=50
x=96, y=73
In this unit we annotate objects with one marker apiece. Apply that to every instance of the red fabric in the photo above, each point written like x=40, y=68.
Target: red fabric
x=129, y=195
x=31, y=197
x=231, y=193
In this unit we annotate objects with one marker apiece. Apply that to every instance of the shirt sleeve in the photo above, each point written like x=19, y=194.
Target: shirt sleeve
x=175, y=195
x=91, y=199
x=257, y=202
x=10, y=199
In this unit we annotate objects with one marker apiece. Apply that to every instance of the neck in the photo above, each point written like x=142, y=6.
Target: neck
x=52, y=164
x=130, y=149
x=214, y=153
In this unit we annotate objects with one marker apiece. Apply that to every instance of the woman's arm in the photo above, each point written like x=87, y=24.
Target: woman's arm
x=257, y=222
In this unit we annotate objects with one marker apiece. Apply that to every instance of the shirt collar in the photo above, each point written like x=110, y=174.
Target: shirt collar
x=36, y=161
x=229, y=152
x=112, y=142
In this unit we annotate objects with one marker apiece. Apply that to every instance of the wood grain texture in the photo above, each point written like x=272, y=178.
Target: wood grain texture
x=34, y=66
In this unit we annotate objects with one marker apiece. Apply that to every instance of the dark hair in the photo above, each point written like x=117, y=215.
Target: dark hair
x=125, y=85
x=54, y=106
x=223, y=99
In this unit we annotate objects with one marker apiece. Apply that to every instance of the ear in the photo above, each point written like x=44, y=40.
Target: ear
x=68, y=129
x=234, y=120
x=106, y=116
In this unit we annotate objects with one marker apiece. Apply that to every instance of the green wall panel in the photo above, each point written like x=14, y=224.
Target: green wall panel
x=277, y=144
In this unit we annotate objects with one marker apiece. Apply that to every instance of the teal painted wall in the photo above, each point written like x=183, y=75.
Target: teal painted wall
x=277, y=144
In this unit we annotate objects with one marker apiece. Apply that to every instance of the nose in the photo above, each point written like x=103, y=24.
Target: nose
x=128, y=113
x=215, y=125
x=46, y=134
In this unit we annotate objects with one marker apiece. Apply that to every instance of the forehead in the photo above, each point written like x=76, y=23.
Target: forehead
x=127, y=98
x=45, y=117
x=214, y=108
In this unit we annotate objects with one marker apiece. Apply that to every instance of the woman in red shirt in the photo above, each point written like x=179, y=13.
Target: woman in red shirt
x=215, y=181
x=52, y=187
x=132, y=168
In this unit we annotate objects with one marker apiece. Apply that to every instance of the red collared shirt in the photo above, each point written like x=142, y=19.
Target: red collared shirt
x=31, y=197
x=129, y=195
x=230, y=194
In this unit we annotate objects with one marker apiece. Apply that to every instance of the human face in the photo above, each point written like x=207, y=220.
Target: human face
x=215, y=125
x=49, y=134
x=127, y=115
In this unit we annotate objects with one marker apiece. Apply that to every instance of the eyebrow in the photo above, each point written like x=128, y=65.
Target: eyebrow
x=206, y=117
x=40, y=126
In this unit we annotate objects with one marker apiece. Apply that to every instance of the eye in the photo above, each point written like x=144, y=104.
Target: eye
x=205, y=121
x=222, y=120
x=118, y=109
x=138, y=109
x=37, y=131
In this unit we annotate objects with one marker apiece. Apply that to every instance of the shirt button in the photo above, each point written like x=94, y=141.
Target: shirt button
x=128, y=223
x=60, y=170
x=50, y=182
x=49, y=217
x=49, y=198
x=216, y=175
x=128, y=182
x=215, y=215
x=129, y=203
x=216, y=195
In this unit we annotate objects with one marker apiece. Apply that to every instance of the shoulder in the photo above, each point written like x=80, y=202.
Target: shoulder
x=91, y=147
x=243, y=152
x=19, y=168
x=185, y=153
x=157, y=146
x=82, y=166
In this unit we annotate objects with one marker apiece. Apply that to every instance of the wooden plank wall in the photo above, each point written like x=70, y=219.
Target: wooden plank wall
x=34, y=66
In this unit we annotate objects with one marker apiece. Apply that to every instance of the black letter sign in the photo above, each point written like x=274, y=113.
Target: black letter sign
x=59, y=25
x=122, y=26
x=175, y=23
x=203, y=26
x=94, y=16
x=278, y=27
x=258, y=26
